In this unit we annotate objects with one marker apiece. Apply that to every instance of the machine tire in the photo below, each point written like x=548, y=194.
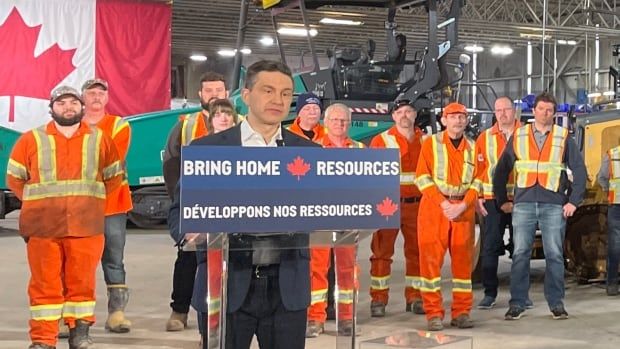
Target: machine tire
x=585, y=245
x=145, y=222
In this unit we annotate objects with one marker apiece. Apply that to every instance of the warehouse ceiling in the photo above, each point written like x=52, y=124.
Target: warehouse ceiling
x=207, y=26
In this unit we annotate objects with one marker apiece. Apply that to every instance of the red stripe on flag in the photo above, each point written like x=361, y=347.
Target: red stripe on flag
x=133, y=53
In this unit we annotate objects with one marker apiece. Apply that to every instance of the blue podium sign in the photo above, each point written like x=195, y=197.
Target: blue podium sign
x=237, y=189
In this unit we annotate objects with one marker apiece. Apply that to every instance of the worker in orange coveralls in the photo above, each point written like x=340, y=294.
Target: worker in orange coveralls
x=309, y=109
x=57, y=170
x=337, y=123
x=407, y=138
x=446, y=175
x=118, y=203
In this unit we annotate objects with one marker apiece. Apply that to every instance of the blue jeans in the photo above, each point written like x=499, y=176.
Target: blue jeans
x=552, y=224
x=113, y=252
x=613, y=243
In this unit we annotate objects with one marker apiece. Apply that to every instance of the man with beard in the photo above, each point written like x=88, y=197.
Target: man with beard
x=189, y=127
x=118, y=203
x=57, y=170
x=407, y=138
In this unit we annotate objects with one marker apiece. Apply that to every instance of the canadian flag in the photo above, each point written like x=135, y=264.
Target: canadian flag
x=44, y=44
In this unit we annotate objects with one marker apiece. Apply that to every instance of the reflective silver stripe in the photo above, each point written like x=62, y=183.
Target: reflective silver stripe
x=389, y=140
x=461, y=285
x=468, y=166
x=430, y=285
x=407, y=178
x=491, y=153
x=318, y=296
x=79, y=310
x=214, y=305
x=47, y=312
x=441, y=158
x=90, y=154
x=114, y=169
x=424, y=181
x=38, y=191
x=380, y=282
x=119, y=125
x=345, y=296
x=46, y=154
x=413, y=281
x=17, y=170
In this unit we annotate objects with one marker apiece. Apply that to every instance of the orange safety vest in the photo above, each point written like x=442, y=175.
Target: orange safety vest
x=117, y=128
x=441, y=171
x=614, y=175
x=193, y=126
x=542, y=166
x=490, y=146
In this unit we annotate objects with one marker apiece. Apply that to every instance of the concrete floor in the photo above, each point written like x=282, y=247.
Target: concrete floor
x=594, y=318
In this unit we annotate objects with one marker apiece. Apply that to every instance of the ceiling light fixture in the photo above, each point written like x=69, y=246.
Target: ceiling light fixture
x=594, y=95
x=567, y=42
x=198, y=58
x=501, y=50
x=336, y=21
x=297, y=31
x=474, y=48
x=231, y=53
x=266, y=41
x=609, y=93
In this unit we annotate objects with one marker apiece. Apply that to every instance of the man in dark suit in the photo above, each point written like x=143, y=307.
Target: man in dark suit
x=268, y=288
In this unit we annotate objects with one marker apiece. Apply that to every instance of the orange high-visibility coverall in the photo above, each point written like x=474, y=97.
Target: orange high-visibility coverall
x=345, y=269
x=382, y=244
x=446, y=173
x=319, y=131
x=56, y=178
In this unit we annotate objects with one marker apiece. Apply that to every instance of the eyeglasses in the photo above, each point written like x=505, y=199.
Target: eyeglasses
x=339, y=121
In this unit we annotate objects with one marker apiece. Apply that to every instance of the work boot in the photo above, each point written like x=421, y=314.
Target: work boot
x=314, y=328
x=377, y=309
x=63, y=329
x=40, y=346
x=462, y=321
x=345, y=328
x=78, y=336
x=434, y=324
x=118, y=296
x=176, y=322
x=416, y=307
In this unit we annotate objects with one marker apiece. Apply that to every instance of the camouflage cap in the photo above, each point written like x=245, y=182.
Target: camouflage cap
x=62, y=91
x=93, y=82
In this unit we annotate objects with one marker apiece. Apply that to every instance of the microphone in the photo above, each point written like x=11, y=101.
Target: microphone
x=280, y=143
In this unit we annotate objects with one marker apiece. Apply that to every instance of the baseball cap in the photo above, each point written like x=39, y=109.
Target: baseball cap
x=401, y=103
x=62, y=91
x=93, y=82
x=308, y=98
x=454, y=108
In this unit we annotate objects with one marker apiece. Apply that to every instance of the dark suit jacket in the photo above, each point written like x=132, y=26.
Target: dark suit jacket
x=294, y=274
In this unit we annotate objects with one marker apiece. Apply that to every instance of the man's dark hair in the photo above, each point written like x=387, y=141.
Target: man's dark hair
x=548, y=98
x=212, y=76
x=268, y=66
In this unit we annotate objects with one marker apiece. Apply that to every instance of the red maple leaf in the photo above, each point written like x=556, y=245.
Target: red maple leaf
x=298, y=167
x=22, y=73
x=387, y=208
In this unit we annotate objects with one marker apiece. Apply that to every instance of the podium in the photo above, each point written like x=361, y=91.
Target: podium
x=215, y=249
x=320, y=198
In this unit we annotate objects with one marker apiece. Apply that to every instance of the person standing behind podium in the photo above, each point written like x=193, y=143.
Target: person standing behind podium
x=268, y=292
